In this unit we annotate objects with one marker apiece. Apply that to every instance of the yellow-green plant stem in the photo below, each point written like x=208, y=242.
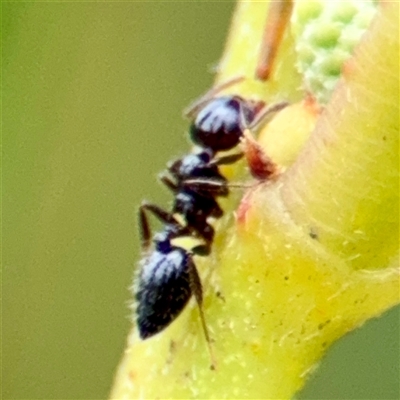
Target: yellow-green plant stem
x=309, y=257
x=352, y=143
x=241, y=55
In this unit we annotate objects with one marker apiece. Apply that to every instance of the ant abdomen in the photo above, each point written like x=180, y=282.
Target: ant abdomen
x=163, y=289
x=168, y=277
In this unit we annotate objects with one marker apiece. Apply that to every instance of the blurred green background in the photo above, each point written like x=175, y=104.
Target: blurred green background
x=92, y=101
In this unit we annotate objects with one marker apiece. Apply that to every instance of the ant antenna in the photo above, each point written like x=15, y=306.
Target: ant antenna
x=278, y=16
x=264, y=114
x=193, y=108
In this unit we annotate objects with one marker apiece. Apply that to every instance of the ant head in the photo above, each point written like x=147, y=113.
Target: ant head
x=218, y=125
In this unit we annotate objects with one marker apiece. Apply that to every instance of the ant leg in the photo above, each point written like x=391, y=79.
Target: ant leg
x=144, y=227
x=168, y=182
x=196, y=288
x=217, y=188
x=231, y=159
x=207, y=234
x=161, y=214
x=279, y=13
x=211, y=186
x=193, y=108
x=265, y=113
x=214, y=187
x=202, y=250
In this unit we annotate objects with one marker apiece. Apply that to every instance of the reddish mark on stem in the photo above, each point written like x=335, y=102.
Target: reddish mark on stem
x=244, y=207
x=260, y=165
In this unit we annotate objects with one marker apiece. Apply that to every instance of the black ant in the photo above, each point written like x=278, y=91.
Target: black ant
x=168, y=276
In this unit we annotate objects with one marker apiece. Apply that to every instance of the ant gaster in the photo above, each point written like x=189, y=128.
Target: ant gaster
x=168, y=276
